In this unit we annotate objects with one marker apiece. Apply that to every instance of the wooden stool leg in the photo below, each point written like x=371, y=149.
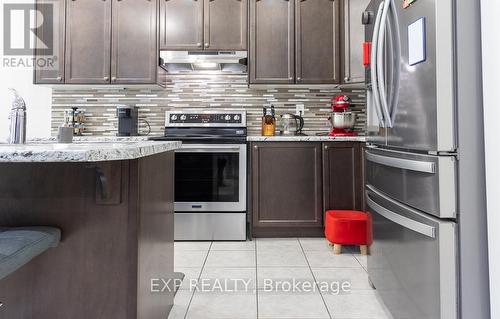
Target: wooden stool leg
x=337, y=249
x=365, y=250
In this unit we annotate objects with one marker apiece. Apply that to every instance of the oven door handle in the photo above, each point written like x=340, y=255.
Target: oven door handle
x=187, y=148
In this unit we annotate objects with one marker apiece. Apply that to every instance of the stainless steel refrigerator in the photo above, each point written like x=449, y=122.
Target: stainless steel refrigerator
x=424, y=162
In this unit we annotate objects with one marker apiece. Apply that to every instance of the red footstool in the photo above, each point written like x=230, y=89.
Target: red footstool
x=348, y=227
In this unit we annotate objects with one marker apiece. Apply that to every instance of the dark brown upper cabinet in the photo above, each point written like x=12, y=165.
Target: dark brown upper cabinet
x=317, y=34
x=342, y=176
x=88, y=42
x=225, y=26
x=203, y=25
x=272, y=41
x=286, y=186
x=353, y=36
x=294, y=41
x=181, y=24
x=104, y=42
x=56, y=33
x=134, y=54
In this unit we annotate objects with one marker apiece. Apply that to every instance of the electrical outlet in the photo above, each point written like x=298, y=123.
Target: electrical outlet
x=299, y=109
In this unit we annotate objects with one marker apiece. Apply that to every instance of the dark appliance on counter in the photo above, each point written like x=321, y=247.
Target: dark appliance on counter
x=425, y=159
x=128, y=120
x=210, y=174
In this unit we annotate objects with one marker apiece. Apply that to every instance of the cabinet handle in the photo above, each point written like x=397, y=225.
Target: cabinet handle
x=198, y=44
x=113, y=79
x=59, y=78
x=326, y=147
x=103, y=182
x=105, y=78
x=290, y=78
x=255, y=147
x=347, y=79
x=207, y=44
x=299, y=79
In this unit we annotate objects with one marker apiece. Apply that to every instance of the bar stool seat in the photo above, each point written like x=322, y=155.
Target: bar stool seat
x=348, y=227
x=20, y=245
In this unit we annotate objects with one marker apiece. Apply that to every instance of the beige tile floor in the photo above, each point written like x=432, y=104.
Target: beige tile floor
x=277, y=260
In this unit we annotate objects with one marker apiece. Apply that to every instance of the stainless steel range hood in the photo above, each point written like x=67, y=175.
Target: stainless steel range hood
x=188, y=61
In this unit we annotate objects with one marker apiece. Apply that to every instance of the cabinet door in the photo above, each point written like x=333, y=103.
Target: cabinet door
x=353, y=38
x=88, y=41
x=342, y=176
x=286, y=187
x=181, y=24
x=317, y=29
x=53, y=73
x=225, y=24
x=272, y=41
x=134, y=47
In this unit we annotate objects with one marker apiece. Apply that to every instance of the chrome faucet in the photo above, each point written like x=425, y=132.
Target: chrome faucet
x=17, y=119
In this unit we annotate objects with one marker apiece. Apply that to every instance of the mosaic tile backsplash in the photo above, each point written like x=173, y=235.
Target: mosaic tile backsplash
x=202, y=91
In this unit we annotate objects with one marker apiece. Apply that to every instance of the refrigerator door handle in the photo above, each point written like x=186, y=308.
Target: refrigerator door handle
x=373, y=63
x=396, y=39
x=406, y=222
x=407, y=164
x=380, y=64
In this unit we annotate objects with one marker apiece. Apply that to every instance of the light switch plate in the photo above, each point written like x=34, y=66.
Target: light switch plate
x=299, y=109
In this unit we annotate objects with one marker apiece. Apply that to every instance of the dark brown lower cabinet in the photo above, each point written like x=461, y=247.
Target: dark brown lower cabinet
x=342, y=176
x=294, y=183
x=117, y=225
x=286, y=189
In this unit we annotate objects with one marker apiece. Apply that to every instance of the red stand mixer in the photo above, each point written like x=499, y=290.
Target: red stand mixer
x=341, y=120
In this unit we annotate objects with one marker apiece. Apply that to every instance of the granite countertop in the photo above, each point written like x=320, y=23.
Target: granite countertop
x=306, y=138
x=84, y=150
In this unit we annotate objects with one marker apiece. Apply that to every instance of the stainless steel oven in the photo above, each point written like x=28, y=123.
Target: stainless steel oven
x=211, y=177
x=210, y=174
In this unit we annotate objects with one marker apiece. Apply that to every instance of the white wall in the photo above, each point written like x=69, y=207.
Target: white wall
x=491, y=79
x=38, y=102
x=38, y=99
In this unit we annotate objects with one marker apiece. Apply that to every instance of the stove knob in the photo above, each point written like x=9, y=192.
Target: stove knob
x=173, y=117
x=236, y=117
x=183, y=117
x=227, y=117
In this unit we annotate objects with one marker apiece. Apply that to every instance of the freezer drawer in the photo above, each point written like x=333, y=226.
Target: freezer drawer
x=413, y=262
x=424, y=182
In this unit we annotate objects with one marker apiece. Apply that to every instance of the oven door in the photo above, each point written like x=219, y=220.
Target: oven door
x=210, y=178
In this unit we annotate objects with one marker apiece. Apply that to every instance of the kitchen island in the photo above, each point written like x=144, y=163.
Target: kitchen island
x=113, y=202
